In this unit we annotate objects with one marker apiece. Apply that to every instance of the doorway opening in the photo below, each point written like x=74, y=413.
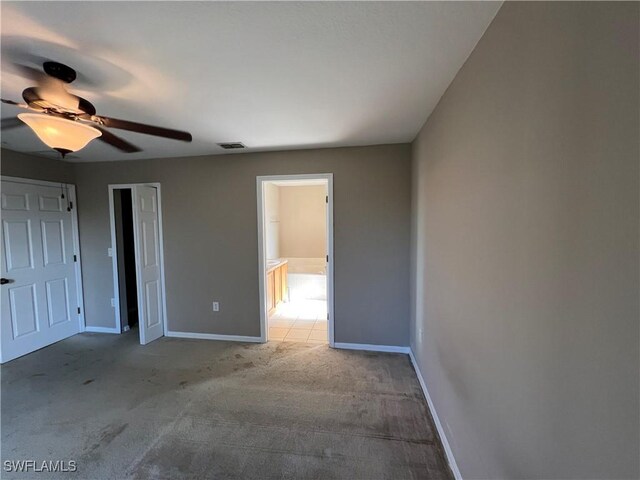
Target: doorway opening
x=126, y=259
x=138, y=260
x=295, y=223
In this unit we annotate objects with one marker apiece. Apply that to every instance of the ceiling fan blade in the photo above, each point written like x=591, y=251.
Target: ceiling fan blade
x=117, y=142
x=11, y=122
x=11, y=102
x=31, y=73
x=142, y=128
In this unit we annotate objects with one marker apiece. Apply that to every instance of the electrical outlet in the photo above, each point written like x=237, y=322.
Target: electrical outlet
x=110, y=252
x=421, y=333
x=216, y=306
x=113, y=302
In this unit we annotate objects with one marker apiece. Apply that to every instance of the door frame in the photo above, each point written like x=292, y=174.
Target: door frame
x=114, y=251
x=262, y=270
x=70, y=189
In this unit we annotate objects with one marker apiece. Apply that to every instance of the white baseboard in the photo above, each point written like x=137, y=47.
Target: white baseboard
x=443, y=438
x=90, y=329
x=213, y=336
x=372, y=348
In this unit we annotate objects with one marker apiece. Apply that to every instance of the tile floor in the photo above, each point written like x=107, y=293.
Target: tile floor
x=300, y=321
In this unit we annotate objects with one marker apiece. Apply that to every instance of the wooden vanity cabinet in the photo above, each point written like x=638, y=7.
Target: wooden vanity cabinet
x=276, y=286
x=284, y=268
x=271, y=298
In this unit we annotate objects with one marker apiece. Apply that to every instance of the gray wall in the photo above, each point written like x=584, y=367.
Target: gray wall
x=15, y=164
x=525, y=245
x=211, y=246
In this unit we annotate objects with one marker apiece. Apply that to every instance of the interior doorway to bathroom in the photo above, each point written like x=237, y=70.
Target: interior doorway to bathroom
x=295, y=223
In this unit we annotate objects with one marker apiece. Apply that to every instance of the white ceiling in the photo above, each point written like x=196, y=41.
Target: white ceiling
x=273, y=75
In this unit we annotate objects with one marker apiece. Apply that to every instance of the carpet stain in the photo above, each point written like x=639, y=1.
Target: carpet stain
x=107, y=436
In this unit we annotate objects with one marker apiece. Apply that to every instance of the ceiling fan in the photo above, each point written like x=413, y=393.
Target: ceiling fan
x=67, y=122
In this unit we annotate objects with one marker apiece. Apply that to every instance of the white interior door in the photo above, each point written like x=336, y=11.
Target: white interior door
x=149, y=267
x=39, y=296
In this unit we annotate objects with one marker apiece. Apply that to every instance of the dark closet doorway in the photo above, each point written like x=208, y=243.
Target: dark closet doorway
x=125, y=245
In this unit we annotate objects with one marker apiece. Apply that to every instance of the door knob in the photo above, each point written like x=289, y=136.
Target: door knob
x=5, y=280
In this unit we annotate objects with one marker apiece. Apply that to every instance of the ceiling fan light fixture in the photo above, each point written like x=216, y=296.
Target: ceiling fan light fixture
x=58, y=133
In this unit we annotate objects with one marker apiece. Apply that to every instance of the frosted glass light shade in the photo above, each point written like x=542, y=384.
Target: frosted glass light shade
x=59, y=133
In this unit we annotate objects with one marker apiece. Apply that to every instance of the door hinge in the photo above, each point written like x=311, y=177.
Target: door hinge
x=75, y=258
x=78, y=310
x=327, y=258
x=326, y=199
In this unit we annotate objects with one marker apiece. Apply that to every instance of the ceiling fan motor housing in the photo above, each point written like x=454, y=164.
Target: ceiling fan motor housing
x=59, y=71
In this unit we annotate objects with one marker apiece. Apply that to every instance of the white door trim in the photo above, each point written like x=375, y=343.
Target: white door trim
x=114, y=251
x=71, y=189
x=260, y=181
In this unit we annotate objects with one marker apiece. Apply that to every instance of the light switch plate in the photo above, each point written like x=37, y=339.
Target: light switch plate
x=110, y=252
x=216, y=306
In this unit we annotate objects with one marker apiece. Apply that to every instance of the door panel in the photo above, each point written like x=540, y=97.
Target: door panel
x=277, y=281
x=58, y=301
x=153, y=303
x=284, y=272
x=147, y=238
x=39, y=306
x=150, y=243
x=24, y=314
x=50, y=204
x=52, y=242
x=18, y=244
x=15, y=201
x=270, y=293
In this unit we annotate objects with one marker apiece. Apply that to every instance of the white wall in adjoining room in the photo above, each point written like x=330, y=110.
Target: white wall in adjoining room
x=303, y=222
x=272, y=220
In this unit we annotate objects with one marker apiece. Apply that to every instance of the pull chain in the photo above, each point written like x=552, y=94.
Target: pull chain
x=69, y=203
x=63, y=187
